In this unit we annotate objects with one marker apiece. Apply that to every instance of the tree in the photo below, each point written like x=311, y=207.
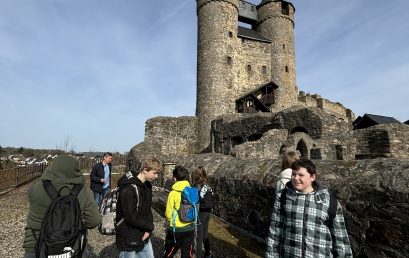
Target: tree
x=66, y=144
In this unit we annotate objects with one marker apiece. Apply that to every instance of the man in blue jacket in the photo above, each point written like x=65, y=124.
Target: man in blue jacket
x=101, y=177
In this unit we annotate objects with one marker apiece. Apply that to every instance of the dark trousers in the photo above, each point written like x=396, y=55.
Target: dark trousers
x=184, y=240
x=202, y=234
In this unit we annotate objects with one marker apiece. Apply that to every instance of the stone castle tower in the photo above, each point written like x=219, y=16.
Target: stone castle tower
x=239, y=67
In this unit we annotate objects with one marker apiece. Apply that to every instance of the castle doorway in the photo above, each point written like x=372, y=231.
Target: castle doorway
x=302, y=148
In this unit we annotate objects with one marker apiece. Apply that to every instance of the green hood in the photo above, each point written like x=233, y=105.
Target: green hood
x=64, y=170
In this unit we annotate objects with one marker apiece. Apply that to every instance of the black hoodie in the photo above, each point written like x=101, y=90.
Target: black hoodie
x=133, y=213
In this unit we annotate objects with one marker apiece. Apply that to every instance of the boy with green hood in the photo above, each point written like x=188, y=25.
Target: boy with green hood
x=63, y=171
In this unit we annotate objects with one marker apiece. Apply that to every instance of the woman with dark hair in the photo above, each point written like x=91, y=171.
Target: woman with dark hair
x=205, y=206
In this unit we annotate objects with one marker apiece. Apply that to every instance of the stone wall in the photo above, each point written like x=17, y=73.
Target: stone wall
x=317, y=134
x=256, y=55
x=172, y=135
x=385, y=140
x=316, y=100
x=268, y=147
x=374, y=195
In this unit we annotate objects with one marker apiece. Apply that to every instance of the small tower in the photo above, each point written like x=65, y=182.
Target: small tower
x=217, y=29
x=276, y=22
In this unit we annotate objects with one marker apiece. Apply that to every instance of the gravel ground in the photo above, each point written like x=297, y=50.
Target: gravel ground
x=14, y=209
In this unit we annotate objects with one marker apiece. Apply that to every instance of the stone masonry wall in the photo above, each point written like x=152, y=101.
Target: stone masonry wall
x=374, y=195
x=316, y=100
x=256, y=55
x=279, y=28
x=267, y=147
x=172, y=135
x=385, y=140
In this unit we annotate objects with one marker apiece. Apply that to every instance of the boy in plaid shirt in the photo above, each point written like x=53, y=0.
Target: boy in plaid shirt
x=300, y=228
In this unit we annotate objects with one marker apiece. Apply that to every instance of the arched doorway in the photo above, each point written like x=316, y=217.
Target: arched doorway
x=302, y=148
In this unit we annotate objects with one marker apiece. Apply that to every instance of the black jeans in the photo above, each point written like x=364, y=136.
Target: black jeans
x=202, y=234
x=184, y=240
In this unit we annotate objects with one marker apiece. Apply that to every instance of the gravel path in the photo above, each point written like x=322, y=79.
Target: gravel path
x=14, y=209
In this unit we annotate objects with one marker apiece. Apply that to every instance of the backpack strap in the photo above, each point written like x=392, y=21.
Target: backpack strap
x=50, y=189
x=332, y=210
x=76, y=190
x=282, y=200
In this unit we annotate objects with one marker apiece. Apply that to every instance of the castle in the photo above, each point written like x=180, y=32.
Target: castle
x=249, y=110
x=248, y=103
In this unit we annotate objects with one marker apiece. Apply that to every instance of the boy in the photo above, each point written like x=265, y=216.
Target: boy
x=134, y=219
x=302, y=227
x=183, y=236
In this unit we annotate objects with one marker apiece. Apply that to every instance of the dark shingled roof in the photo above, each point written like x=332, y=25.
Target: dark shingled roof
x=407, y=122
x=251, y=34
x=258, y=88
x=369, y=120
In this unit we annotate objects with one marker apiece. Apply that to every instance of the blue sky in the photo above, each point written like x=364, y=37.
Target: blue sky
x=94, y=71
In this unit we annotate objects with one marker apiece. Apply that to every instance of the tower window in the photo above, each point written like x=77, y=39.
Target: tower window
x=285, y=8
x=286, y=69
x=248, y=68
x=283, y=46
x=229, y=60
x=264, y=69
x=230, y=34
x=252, y=8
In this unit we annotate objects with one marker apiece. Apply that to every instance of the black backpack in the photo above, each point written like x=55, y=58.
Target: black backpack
x=332, y=210
x=62, y=232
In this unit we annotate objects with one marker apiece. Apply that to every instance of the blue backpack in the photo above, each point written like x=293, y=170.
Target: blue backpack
x=189, y=205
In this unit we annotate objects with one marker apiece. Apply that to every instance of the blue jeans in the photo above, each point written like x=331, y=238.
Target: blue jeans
x=147, y=252
x=98, y=196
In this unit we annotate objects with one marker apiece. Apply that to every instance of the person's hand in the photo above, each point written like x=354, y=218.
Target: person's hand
x=102, y=180
x=145, y=236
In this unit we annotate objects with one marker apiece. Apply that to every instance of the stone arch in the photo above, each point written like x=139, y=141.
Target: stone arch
x=301, y=142
x=299, y=129
x=302, y=148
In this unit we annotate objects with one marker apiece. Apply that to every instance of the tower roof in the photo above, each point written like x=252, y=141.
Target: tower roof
x=251, y=34
x=369, y=120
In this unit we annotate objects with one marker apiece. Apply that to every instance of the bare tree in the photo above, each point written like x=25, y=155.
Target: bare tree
x=66, y=144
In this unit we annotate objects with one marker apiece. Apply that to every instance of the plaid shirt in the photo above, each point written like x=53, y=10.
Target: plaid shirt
x=301, y=231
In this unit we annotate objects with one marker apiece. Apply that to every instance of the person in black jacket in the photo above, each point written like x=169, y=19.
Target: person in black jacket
x=101, y=177
x=134, y=219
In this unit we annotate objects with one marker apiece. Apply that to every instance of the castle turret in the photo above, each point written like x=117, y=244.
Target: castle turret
x=276, y=22
x=217, y=30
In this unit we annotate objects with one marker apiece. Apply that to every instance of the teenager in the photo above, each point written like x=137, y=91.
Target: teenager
x=300, y=228
x=134, y=219
x=179, y=234
x=206, y=204
x=287, y=161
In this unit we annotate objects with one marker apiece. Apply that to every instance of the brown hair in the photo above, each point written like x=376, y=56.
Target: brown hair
x=288, y=159
x=199, y=176
x=305, y=163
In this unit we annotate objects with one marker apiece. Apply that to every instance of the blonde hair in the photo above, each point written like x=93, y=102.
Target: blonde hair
x=149, y=163
x=288, y=159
